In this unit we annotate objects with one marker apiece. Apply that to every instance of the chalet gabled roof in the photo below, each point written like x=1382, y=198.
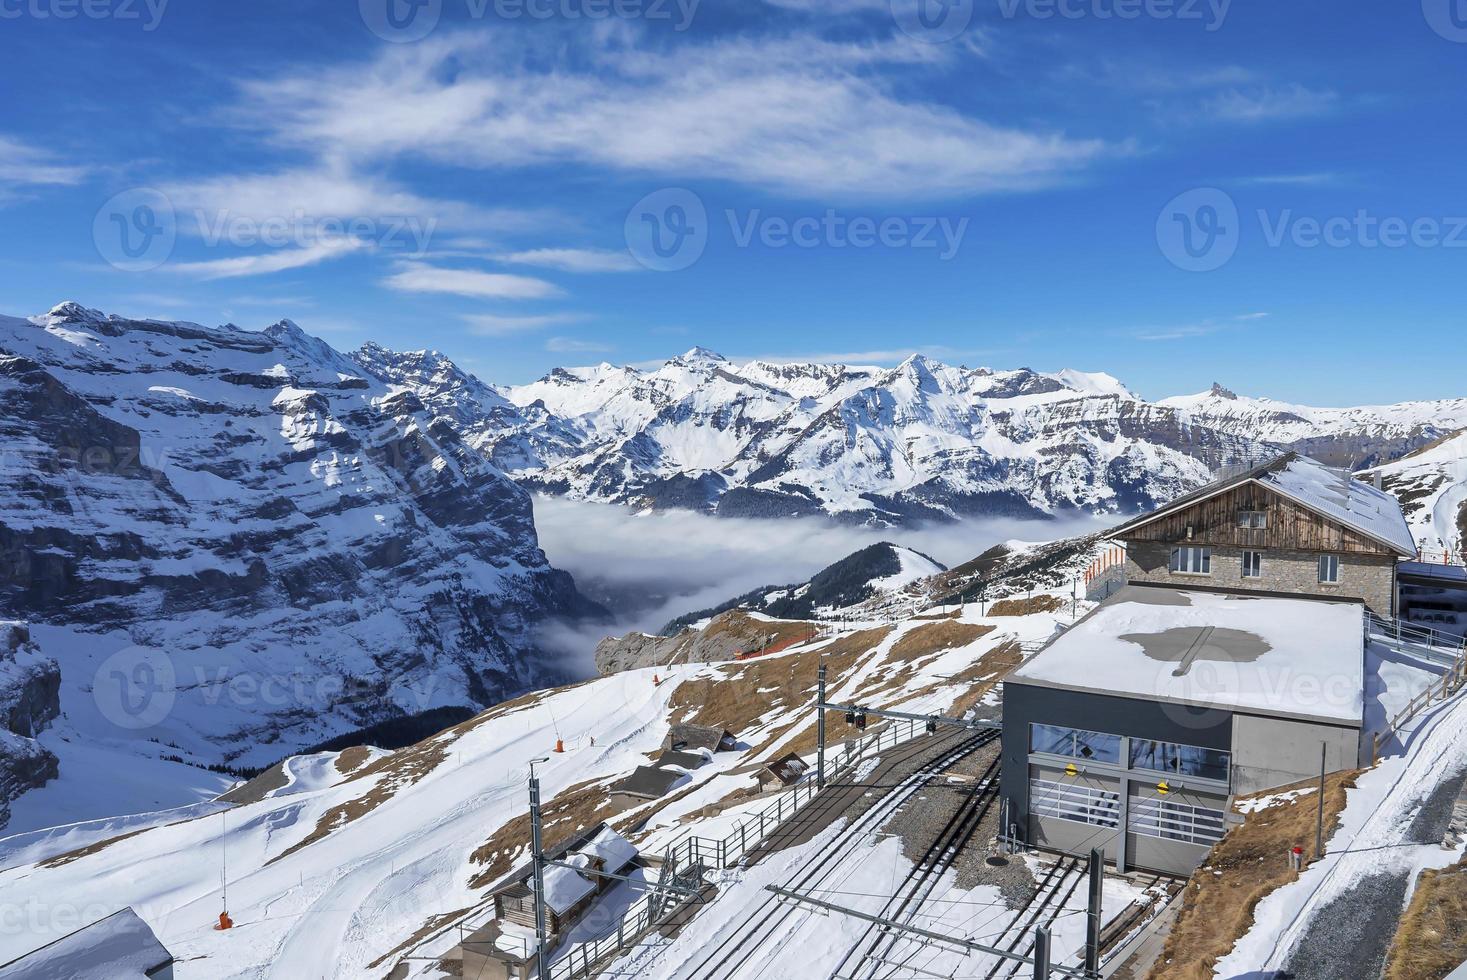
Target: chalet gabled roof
x=689, y=736
x=1331, y=493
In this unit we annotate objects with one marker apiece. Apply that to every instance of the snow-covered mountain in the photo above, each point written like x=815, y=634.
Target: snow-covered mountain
x=920, y=441
x=1349, y=437
x=238, y=544
x=1431, y=484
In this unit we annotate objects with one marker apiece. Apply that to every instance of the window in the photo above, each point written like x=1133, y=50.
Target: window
x=1253, y=518
x=1170, y=820
x=1329, y=569
x=1182, y=760
x=1253, y=564
x=1074, y=801
x=1075, y=743
x=1192, y=561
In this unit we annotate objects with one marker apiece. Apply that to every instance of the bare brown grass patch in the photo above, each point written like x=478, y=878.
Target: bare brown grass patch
x=1243, y=869
x=1431, y=940
x=1027, y=607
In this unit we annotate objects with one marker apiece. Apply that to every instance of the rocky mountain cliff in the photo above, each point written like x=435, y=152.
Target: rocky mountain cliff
x=922, y=441
x=238, y=544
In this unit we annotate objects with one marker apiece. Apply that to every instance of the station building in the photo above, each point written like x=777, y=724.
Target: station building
x=1232, y=661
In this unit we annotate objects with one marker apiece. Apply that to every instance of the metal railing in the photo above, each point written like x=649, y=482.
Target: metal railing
x=1449, y=645
x=692, y=850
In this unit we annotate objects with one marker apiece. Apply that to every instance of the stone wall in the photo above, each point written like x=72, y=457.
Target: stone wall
x=1361, y=576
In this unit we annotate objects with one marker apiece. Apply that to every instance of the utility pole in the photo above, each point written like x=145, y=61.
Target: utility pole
x=1319, y=823
x=542, y=955
x=1041, y=953
x=820, y=729
x=1092, y=912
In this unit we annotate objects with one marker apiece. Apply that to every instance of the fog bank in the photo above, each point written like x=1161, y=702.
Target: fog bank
x=651, y=567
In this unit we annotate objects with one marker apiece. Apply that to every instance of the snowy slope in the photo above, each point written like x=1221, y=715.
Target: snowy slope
x=1431, y=484
x=337, y=878
x=238, y=544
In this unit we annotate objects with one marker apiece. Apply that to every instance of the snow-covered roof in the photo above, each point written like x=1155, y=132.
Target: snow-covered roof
x=614, y=850
x=564, y=887
x=1294, y=658
x=1336, y=495
x=119, y=947
x=1331, y=493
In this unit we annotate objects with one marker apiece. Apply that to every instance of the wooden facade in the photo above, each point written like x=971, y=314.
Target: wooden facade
x=1214, y=522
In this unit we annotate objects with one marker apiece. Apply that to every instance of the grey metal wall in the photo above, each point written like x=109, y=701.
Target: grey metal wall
x=1273, y=752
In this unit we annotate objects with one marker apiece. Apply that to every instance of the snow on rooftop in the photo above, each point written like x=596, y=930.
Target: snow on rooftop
x=564, y=888
x=119, y=947
x=615, y=851
x=1295, y=658
x=1335, y=494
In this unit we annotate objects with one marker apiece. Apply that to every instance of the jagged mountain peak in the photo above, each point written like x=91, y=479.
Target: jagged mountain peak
x=1218, y=391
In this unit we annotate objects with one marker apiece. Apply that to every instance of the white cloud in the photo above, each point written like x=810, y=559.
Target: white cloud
x=1267, y=104
x=575, y=259
x=800, y=114
x=1201, y=328
x=494, y=325
x=23, y=165
x=333, y=191
x=572, y=345
x=419, y=277
x=267, y=262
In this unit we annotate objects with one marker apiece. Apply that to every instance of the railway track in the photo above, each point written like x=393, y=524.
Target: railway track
x=1042, y=909
x=877, y=942
x=727, y=959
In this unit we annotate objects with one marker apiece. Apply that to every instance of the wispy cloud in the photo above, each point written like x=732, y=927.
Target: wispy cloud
x=573, y=345
x=575, y=259
x=494, y=325
x=800, y=114
x=1200, y=328
x=267, y=262
x=1320, y=179
x=419, y=277
x=24, y=166
x=1269, y=104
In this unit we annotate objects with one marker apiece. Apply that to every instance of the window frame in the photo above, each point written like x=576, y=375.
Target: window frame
x=1180, y=563
x=1253, y=519
x=1335, y=565
x=1109, y=746
x=1252, y=563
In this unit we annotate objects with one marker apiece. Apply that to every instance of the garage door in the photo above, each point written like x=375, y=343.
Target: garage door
x=1172, y=831
x=1074, y=813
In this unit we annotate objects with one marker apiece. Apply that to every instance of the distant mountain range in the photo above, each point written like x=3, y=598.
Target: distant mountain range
x=885, y=446
x=301, y=547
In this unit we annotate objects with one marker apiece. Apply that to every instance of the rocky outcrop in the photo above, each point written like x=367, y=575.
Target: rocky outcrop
x=30, y=686
x=727, y=636
x=302, y=547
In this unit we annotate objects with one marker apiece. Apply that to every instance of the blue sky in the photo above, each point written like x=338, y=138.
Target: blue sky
x=1263, y=194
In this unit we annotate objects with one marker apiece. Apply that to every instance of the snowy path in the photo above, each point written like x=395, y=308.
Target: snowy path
x=1373, y=838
